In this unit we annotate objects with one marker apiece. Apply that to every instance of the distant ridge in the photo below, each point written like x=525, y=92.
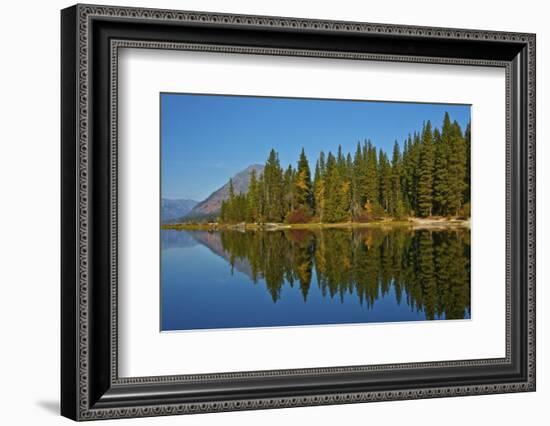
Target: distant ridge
x=173, y=209
x=210, y=207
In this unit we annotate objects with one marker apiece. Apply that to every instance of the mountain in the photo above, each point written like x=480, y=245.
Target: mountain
x=171, y=209
x=210, y=207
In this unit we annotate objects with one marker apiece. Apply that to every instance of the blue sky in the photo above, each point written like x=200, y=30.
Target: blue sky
x=206, y=139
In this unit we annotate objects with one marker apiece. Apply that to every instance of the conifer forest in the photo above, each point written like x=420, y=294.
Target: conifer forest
x=429, y=176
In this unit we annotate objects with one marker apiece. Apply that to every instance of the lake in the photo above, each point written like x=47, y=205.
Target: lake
x=233, y=279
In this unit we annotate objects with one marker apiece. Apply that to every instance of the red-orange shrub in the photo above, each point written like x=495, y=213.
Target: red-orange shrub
x=298, y=216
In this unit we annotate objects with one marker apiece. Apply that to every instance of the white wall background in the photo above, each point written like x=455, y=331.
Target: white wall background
x=29, y=213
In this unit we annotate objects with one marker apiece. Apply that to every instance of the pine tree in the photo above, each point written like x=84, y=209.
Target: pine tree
x=273, y=189
x=223, y=212
x=371, y=175
x=253, y=199
x=319, y=187
x=357, y=183
x=396, y=190
x=415, y=151
x=319, y=191
x=289, y=190
x=261, y=199
x=231, y=202
x=425, y=173
x=441, y=180
x=344, y=187
x=406, y=174
x=385, y=181
x=334, y=210
x=457, y=169
x=410, y=173
x=303, y=191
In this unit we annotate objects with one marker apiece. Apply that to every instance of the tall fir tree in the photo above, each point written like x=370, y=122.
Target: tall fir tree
x=406, y=174
x=396, y=191
x=334, y=210
x=319, y=192
x=261, y=197
x=303, y=187
x=223, y=212
x=342, y=163
x=357, y=182
x=384, y=185
x=416, y=150
x=371, y=176
x=441, y=180
x=319, y=187
x=456, y=169
x=253, y=199
x=425, y=173
x=273, y=189
x=230, y=207
x=289, y=190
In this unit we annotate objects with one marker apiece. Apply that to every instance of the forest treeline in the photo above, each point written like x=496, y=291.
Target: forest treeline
x=429, y=177
x=429, y=271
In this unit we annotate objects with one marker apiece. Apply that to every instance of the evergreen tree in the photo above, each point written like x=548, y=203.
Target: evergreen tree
x=334, y=210
x=441, y=179
x=319, y=191
x=231, y=207
x=319, y=187
x=425, y=173
x=303, y=188
x=357, y=183
x=322, y=163
x=223, y=212
x=385, y=181
x=371, y=176
x=396, y=191
x=253, y=199
x=289, y=190
x=410, y=173
x=406, y=174
x=416, y=150
x=273, y=189
x=261, y=199
x=456, y=169
x=344, y=174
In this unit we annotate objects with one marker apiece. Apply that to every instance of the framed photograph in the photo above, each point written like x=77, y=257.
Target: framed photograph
x=263, y=212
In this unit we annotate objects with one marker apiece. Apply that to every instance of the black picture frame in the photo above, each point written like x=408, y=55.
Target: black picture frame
x=90, y=386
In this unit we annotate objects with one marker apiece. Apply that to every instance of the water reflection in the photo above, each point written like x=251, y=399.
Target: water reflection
x=430, y=270
x=427, y=271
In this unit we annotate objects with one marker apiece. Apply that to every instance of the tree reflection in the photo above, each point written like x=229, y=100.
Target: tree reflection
x=429, y=270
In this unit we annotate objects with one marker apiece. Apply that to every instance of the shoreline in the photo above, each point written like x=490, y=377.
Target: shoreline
x=413, y=223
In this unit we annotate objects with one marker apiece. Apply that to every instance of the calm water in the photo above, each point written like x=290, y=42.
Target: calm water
x=233, y=279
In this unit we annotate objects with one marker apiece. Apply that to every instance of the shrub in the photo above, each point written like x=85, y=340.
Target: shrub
x=298, y=216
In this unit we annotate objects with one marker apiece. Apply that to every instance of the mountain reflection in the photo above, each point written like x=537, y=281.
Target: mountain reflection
x=428, y=269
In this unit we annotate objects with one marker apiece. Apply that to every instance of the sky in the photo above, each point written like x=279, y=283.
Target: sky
x=206, y=139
